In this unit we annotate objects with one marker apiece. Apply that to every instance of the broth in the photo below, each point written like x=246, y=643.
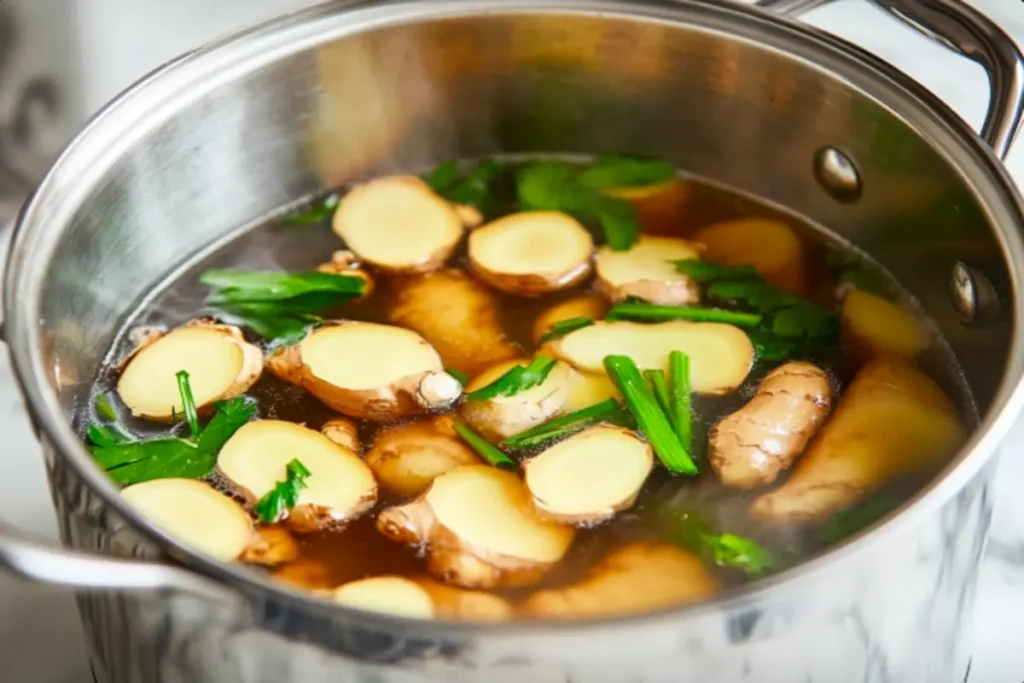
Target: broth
x=350, y=552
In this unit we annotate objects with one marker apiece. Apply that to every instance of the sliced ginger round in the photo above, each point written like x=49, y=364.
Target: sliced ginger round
x=646, y=271
x=504, y=416
x=479, y=530
x=368, y=371
x=271, y=546
x=874, y=327
x=593, y=306
x=388, y=594
x=531, y=253
x=339, y=487
x=219, y=362
x=398, y=225
x=720, y=355
x=458, y=603
x=344, y=432
x=660, y=207
x=194, y=514
x=587, y=389
x=639, y=577
x=407, y=458
x=590, y=476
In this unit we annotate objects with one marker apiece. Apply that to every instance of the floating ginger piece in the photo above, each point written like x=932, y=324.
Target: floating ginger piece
x=531, y=253
x=219, y=362
x=892, y=421
x=458, y=316
x=660, y=207
x=589, y=389
x=368, y=371
x=646, y=271
x=720, y=355
x=479, y=530
x=753, y=445
x=195, y=514
x=458, y=603
x=407, y=458
x=504, y=416
x=340, y=486
x=875, y=327
x=394, y=595
x=640, y=577
x=593, y=306
x=398, y=225
x=590, y=476
x=271, y=546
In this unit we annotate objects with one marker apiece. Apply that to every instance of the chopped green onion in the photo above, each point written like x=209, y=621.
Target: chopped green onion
x=191, y=415
x=484, y=448
x=652, y=312
x=690, y=530
x=655, y=424
x=855, y=519
x=610, y=411
x=516, y=379
x=285, y=494
x=681, y=408
x=462, y=377
x=564, y=327
x=660, y=388
x=104, y=408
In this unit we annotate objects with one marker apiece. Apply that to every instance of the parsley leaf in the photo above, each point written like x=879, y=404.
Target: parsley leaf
x=285, y=494
x=614, y=170
x=473, y=187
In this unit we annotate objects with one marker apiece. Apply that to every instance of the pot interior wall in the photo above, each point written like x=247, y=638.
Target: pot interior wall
x=234, y=134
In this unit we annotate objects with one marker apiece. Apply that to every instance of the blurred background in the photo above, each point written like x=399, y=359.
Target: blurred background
x=61, y=60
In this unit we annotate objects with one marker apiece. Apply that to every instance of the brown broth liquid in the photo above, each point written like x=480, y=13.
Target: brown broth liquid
x=329, y=559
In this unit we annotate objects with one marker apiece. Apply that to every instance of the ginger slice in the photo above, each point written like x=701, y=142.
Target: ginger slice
x=387, y=594
x=639, y=577
x=531, y=253
x=593, y=306
x=398, y=225
x=407, y=458
x=892, y=420
x=345, y=262
x=344, y=432
x=587, y=389
x=504, y=416
x=720, y=355
x=340, y=486
x=770, y=246
x=456, y=314
x=646, y=271
x=195, y=514
x=874, y=327
x=660, y=207
x=271, y=546
x=753, y=445
x=479, y=530
x=458, y=603
x=590, y=476
x=219, y=362
x=368, y=371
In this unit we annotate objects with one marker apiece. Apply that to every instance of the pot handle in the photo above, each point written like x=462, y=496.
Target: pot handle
x=970, y=33
x=42, y=563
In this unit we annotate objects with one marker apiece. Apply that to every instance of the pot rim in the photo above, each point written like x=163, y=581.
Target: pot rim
x=246, y=51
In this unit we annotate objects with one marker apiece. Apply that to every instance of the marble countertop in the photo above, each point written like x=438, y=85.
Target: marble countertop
x=40, y=635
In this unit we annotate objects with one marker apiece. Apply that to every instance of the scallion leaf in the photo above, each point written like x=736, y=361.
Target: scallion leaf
x=318, y=213
x=680, y=400
x=709, y=271
x=462, y=377
x=610, y=411
x=652, y=312
x=191, y=416
x=516, y=379
x=104, y=408
x=484, y=448
x=615, y=170
x=660, y=388
x=689, y=530
x=855, y=519
x=564, y=327
x=640, y=400
x=285, y=494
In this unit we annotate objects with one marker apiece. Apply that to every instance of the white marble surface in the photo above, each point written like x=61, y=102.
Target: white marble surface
x=40, y=637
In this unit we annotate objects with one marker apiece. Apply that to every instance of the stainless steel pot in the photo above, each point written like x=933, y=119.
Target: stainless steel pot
x=220, y=137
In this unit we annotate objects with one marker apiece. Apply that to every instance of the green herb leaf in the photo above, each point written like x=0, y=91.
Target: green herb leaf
x=680, y=399
x=613, y=171
x=285, y=494
x=650, y=313
x=855, y=519
x=772, y=348
x=472, y=188
x=191, y=416
x=229, y=417
x=462, y=377
x=107, y=435
x=690, y=530
x=516, y=379
x=709, y=271
x=443, y=176
x=485, y=449
x=655, y=424
x=564, y=327
x=659, y=386
x=609, y=411
x=555, y=186
x=104, y=408
x=318, y=213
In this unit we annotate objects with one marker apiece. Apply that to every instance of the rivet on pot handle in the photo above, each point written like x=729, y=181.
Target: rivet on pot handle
x=970, y=33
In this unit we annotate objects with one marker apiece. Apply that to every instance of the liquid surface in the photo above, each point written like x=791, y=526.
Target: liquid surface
x=331, y=558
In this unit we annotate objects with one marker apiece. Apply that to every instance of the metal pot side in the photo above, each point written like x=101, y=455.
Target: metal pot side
x=224, y=136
